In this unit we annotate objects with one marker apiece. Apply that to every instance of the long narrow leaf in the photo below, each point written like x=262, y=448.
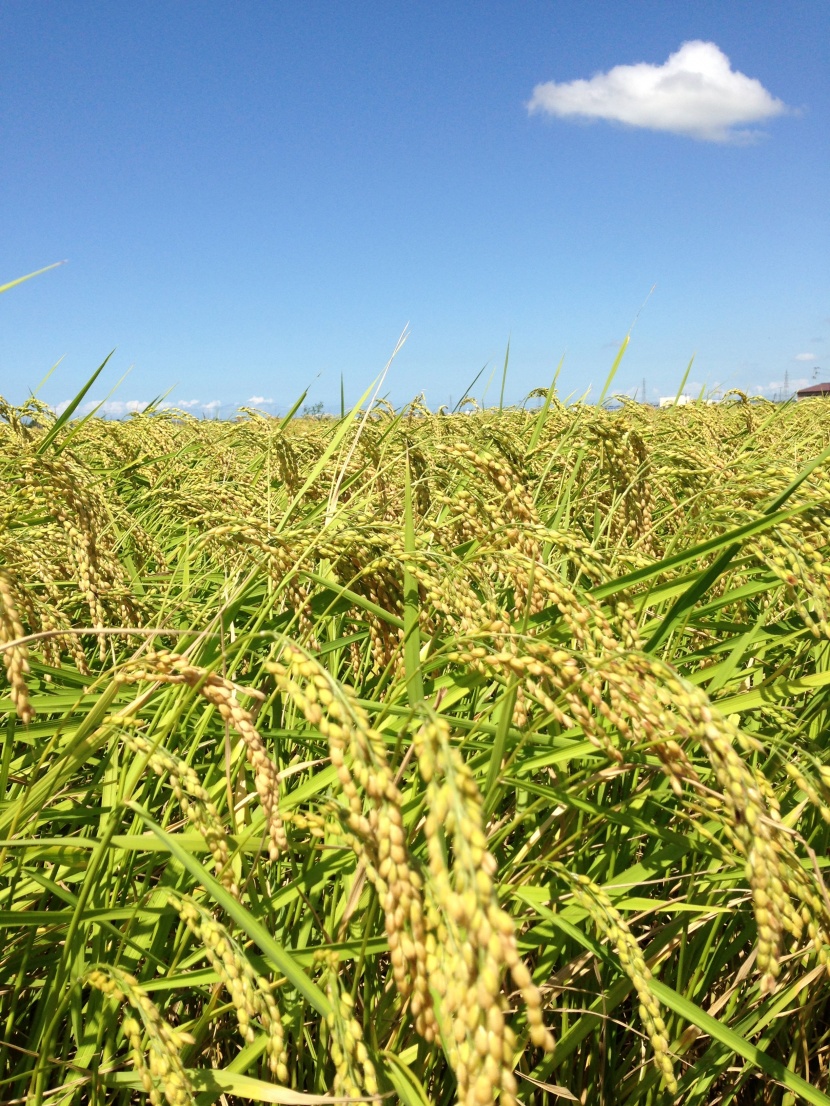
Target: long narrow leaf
x=279, y=957
x=66, y=415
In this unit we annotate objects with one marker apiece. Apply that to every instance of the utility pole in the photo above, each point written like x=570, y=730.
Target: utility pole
x=786, y=395
x=644, y=399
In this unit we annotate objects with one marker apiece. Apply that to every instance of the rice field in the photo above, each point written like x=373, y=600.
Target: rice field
x=414, y=757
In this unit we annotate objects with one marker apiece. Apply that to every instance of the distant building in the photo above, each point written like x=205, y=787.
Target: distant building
x=674, y=401
x=821, y=390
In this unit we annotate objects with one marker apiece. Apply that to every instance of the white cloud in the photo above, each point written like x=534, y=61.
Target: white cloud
x=118, y=408
x=777, y=387
x=114, y=408
x=257, y=400
x=695, y=92
x=804, y=357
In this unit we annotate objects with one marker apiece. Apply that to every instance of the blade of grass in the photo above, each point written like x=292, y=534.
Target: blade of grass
x=279, y=957
x=76, y=427
x=504, y=377
x=338, y=437
x=287, y=419
x=408, y=1087
x=693, y=1014
x=46, y=378
x=20, y=280
x=683, y=381
x=469, y=388
x=66, y=415
x=613, y=370
x=541, y=418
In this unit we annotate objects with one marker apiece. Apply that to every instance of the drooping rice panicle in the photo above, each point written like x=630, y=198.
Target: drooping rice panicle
x=155, y=1045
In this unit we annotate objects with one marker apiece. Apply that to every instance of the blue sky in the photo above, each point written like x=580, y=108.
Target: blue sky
x=257, y=197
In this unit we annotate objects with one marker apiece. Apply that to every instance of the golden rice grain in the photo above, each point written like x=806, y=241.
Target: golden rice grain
x=167, y=667
x=250, y=993
x=15, y=657
x=155, y=1045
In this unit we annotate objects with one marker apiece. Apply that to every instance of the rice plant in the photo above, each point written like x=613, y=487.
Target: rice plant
x=416, y=757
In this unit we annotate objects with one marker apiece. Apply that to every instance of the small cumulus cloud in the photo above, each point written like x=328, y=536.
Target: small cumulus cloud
x=186, y=403
x=212, y=406
x=804, y=357
x=258, y=400
x=696, y=92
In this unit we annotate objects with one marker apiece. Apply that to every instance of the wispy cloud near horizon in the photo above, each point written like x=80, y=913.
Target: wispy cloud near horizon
x=111, y=408
x=118, y=408
x=695, y=92
x=777, y=387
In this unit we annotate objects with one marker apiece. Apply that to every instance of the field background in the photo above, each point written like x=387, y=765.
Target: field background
x=391, y=753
